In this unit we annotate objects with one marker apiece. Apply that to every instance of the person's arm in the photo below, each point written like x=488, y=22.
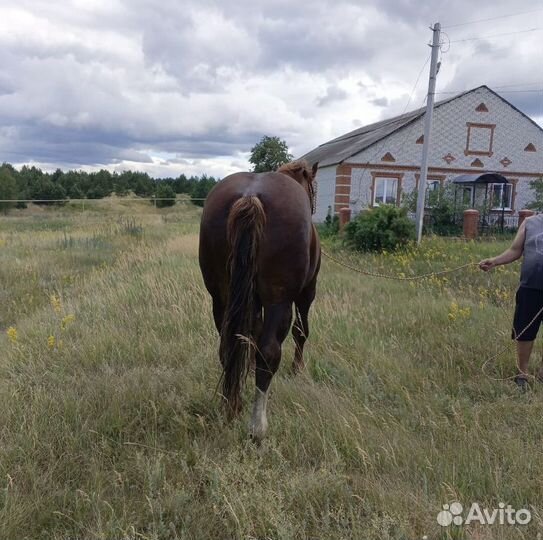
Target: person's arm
x=509, y=255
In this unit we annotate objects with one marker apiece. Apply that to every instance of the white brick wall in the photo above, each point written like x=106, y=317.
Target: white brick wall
x=513, y=132
x=326, y=187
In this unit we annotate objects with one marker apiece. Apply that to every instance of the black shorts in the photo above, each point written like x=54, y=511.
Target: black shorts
x=527, y=321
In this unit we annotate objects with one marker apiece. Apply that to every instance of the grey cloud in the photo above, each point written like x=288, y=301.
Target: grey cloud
x=126, y=79
x=333, y=93
x=380, y=102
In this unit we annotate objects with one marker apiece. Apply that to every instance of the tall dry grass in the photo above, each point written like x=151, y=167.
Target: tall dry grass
x=110, y=429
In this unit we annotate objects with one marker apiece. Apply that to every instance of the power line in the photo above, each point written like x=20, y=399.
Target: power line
x=493, y=18
x=380, y=148
x=536, y=90
x=416, y=84
x=497, y=35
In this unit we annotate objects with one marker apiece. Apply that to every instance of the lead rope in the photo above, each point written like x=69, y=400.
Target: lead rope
x=396, y=278
x=438, y=273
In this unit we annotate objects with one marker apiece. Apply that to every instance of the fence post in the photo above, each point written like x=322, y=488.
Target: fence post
x=471, y=224
x=344, y=217
x=523, y=214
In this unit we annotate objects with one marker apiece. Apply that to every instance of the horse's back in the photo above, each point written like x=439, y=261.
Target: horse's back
x=284, y=255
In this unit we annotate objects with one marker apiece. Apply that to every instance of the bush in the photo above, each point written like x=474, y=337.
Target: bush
x=385, y=227
x=165, y=192
x=330, y=227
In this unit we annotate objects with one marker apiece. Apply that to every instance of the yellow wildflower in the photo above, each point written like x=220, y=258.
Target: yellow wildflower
x=51, y=342
x=12, y=334
x=66, y=321
x=56, y=304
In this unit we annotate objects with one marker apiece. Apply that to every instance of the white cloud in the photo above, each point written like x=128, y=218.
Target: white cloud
x=190, y=87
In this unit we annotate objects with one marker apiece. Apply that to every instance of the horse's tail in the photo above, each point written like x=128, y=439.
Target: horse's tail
x=245, y=226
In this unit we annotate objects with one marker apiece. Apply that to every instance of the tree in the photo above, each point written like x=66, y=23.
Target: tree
x=47, y=190
x=537, y=188
x=8, y=187
x=269, y=154
x=165, y=195
x=201, y=188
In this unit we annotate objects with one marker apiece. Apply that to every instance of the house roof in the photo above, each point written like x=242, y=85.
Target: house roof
x=339, y=149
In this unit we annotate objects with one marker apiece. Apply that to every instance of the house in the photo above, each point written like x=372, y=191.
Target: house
x=475, y=132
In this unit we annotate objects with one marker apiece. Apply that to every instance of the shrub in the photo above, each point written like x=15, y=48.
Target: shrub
x=330, y=227
x=165, y=195
x=385, y=227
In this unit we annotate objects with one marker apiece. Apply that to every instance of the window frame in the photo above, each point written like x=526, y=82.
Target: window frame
x=377, y=176
x=507, y=208
x=472, y=195
x=470, y=152
x=430, y=178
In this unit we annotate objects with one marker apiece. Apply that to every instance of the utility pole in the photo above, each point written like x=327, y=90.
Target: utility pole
x=427, y=130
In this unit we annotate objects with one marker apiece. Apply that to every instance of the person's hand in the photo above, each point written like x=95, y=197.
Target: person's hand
x=487, y=264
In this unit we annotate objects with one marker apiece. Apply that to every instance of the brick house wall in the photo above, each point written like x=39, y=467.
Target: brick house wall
x=476, y=133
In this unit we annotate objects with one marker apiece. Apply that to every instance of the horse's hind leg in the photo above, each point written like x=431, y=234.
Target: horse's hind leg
x=257, y=331
x=300, y=328
x=277, y=321
x=218, y=311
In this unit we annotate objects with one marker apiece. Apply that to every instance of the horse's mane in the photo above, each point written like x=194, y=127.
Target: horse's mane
x=294, y=168
x=298, y=170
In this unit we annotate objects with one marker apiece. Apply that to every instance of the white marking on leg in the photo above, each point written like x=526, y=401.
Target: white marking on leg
x=259, y=421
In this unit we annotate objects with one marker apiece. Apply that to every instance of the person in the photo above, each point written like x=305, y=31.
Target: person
x=528, y=243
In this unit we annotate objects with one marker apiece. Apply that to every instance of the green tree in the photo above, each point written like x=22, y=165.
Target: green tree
x=47, y=190
x=165, y=195
x=101, y=184
x=201, y=188
x=269, y=154
x=537, y=188
x=8, y=187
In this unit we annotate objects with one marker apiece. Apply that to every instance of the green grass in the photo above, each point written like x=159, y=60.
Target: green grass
x=110, y=428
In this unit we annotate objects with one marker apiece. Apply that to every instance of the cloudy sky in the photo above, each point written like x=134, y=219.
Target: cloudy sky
x=190, y=86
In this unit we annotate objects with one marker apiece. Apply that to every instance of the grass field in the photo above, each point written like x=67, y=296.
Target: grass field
x=110, y=428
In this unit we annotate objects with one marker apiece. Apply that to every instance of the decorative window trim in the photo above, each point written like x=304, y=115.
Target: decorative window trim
x=384, y=175
x=489, y=152
x=388, y=157
x=440, y=177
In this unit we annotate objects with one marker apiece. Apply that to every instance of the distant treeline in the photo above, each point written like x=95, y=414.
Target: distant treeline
x=33, y=183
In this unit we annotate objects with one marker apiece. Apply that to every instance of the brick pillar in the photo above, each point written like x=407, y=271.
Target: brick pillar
x=523, y=214
x=344, y=217
x=343, y=187
x=471, y=223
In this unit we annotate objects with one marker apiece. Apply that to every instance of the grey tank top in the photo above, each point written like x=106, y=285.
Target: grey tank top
x=531, y=274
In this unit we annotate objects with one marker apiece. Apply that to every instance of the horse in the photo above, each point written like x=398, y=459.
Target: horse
x=259, y=255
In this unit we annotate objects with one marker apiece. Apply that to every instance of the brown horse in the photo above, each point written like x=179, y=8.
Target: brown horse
x=259, y=255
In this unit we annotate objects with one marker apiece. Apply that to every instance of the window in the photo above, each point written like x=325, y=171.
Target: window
x=465, y=195
x=386, y=191
x=479, y=139
x=501, y=196
x=433, y=190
